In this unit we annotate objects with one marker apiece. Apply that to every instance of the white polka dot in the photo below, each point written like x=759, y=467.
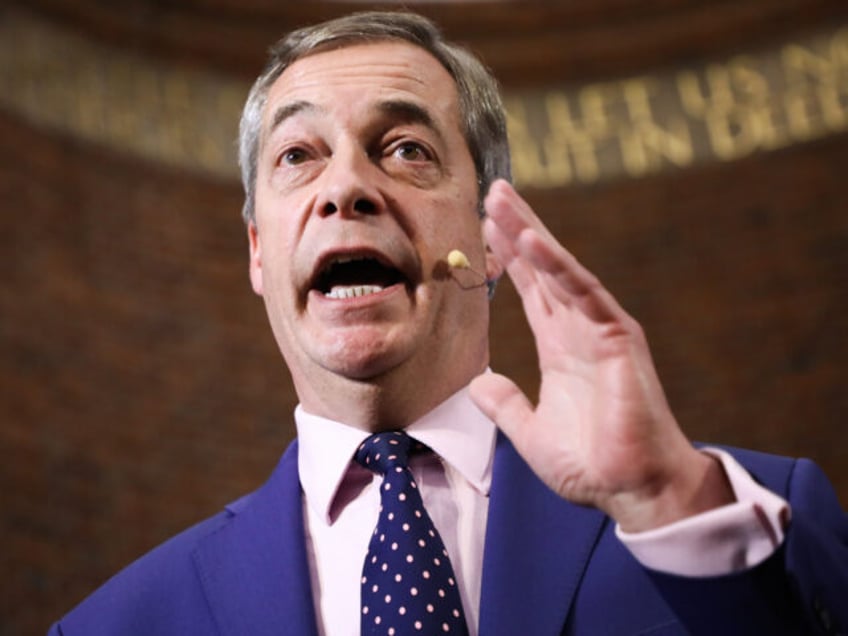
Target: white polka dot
x=426, y=574
x=405, y=527
x=430, y=608
x=436, y=561
x=414, y=485
x=391, y=631
x=442, y=593
x=413, y=591
x=409, y=558
x=375, y=587
x=384, y=567
x=388, y=598
x=401, y=610
x=364, y=579
x=377, y=620
x=394, y=546
x=391, y=516
x=431, y=533
x=364, y=609
x=455, y=613
x=374, y=559
x=387, y=487
x=421, y=542
x=418, y=513
x=445, y=627
x=417, y=625
x=398, y=578
x=382, y=538
x=402, y=497
x=450, y=580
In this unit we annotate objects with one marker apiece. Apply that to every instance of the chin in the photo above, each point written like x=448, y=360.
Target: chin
x=361, y=356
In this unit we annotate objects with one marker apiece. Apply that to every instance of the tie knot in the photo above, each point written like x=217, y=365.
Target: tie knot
x=381, y=451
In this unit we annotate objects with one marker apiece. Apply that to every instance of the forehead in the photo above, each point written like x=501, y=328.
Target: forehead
x=363, y=73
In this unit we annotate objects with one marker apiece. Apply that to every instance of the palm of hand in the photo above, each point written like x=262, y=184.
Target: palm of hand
x=602, y=428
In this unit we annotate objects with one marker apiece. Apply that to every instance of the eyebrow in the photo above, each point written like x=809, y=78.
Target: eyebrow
x=290, y=110
x=399, y=109
x=408, y=112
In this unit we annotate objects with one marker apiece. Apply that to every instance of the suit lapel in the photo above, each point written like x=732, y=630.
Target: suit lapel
x=537, y=548
x=254, y=570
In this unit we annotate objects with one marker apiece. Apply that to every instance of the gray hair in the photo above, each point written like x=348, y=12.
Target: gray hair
x=480, y=105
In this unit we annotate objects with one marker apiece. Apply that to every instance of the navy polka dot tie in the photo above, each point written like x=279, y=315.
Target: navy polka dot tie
x=408, y=584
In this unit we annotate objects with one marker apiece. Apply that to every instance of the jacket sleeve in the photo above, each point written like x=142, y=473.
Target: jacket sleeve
x=801, y=589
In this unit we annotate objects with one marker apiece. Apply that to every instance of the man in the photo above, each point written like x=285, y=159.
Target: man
x=369, y=149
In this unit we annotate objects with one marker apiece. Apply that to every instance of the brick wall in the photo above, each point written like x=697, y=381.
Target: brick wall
x=141, y=388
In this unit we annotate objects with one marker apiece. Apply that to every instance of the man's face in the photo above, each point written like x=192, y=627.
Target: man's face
x=364, y=184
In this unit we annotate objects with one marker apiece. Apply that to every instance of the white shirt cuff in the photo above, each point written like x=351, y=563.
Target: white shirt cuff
x=717, y=542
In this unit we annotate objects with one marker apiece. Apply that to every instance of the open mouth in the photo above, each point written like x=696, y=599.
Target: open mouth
x=353, y=276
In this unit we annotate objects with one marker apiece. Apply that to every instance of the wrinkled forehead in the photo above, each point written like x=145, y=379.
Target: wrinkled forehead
x=364, y=73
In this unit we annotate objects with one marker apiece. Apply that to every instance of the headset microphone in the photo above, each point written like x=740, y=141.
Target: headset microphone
x=458, y=262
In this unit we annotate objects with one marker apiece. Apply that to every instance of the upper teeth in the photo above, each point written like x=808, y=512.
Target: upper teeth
x=350, y=291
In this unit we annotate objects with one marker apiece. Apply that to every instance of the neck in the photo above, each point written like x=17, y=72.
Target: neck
x=391, y=401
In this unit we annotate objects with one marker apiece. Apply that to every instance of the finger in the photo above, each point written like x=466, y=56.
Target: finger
x=514, y=231
x=540, y=263
x=509, y=218
x=502, y=402
x=566, y=279
x=510, y=212
x=505, y=250
x=525, y=277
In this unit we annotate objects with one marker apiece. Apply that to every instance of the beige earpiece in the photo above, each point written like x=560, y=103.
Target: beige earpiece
x=458, y=260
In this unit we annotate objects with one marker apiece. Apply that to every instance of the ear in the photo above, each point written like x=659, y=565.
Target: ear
x=255, y=267
x=494, y=268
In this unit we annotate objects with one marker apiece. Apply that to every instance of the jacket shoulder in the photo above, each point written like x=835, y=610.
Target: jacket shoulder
x=166, y=591
x=159, y=593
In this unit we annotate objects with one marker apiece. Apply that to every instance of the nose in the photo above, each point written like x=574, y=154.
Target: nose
x=350, y=185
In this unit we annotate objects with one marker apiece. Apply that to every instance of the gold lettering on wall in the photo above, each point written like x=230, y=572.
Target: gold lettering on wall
x=170, y=114
x=722, y=110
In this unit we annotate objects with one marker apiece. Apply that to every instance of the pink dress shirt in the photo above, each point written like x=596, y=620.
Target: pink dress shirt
x=341, y=502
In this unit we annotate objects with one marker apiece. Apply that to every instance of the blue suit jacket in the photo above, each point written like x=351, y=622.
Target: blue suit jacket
x=549, y=568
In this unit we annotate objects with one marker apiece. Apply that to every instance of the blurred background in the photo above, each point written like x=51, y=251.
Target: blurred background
x=692, y=153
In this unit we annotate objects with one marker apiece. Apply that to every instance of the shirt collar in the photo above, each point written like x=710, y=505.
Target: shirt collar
x=456, y=430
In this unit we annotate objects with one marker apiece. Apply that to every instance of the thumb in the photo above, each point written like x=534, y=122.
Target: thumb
x=502, y=402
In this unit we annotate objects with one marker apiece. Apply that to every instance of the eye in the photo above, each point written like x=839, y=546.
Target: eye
x=411, y=151
x=293, y=157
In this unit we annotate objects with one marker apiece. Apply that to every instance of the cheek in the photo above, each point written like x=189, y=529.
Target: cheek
x=462, y=234
x=275, y=263
x=280, y=223
x=454, y=218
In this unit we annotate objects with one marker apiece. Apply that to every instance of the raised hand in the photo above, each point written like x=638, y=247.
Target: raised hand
x=602, y=433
